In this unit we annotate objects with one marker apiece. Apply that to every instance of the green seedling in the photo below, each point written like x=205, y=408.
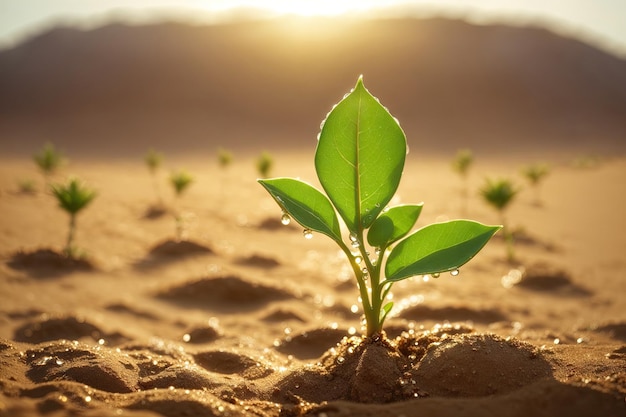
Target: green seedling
x=26, y=186
x=499, y=194
x=180, y=180
x=359, y=160
x=264, y=164
x=49, y=160
x=224, y=158
x=154, y=160
x=461, y=165
x=72, y=197
x=535, y=174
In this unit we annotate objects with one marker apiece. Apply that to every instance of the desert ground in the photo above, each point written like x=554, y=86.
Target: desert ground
x=244, y=316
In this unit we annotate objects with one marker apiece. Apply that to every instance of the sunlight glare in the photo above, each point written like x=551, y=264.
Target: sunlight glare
x=306, y=8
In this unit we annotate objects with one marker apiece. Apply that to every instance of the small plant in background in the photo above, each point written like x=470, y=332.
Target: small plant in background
x=264, y=164
x=224, y=158
x=48, y=160
x=461, y=165
x=72, y=197
x=535, y=174
x=180, y=180
x=26, y=186
x=154, y=160
x=499, y=194
x=359, y=161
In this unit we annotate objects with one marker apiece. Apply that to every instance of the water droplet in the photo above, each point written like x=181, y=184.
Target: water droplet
x=186, y=337
x=365, y=271
x=358, y=259
x=308, y=234
x=557, y=341
x=285, y=219
x=59, y=362
x=435, y=275
x=454, y=272
x=354, y=308
x=377, y=250
x=340, y=359
x=88, y=399
x=44, y=361
x=354, y=240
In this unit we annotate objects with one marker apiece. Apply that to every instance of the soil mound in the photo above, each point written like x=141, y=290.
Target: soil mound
x=378, y=370
x=48, y=262
x=223, y=292
x=258, y=261
x=178, y=249
x=202, y=334
x=311, y=344
x=69, y=328
x=478, y=365
x=72, y=361
x=543, y=278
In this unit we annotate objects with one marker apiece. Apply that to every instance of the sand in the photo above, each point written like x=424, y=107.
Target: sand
x=246, y=317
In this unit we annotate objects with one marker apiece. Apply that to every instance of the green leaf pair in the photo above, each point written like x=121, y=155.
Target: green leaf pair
x=359, y=161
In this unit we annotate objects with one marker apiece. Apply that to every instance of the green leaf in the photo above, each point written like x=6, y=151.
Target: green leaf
x=304, y=204
x=73, y=196
x=360, y=156
x=393, y=224
x=385, y=311
x=437, y=248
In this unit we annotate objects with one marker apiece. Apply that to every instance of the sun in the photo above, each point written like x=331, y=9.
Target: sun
x=314, y=7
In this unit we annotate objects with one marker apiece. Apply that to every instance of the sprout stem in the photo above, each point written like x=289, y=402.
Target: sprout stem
x=70, y=236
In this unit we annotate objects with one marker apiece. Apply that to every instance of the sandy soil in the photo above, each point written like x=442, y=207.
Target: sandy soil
x=246, y=317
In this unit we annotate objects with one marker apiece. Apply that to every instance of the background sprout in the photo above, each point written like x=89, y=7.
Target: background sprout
x=72, y=197
x=359, y=161
x=224, y=158
x=49, y=160
x=180, y=180
x=26, y=186
x=499, y=193
x=535, y=173
x=153, y=161
x=264, y=164
x=461, y=165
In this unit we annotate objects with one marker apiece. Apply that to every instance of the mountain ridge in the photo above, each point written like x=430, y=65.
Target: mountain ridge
x=268, y=84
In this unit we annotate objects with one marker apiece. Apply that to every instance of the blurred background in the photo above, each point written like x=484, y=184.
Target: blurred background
x=113, y=78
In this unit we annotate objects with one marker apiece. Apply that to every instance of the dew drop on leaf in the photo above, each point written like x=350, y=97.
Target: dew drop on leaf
x=454, y=272
x=435, y=275
x=285, y=219
x=308, y=234
x=358, y=259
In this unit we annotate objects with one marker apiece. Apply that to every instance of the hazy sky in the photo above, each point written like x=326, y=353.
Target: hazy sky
x=603, y=21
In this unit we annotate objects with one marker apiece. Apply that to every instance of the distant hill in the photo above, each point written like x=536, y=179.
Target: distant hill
x=263, y=85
